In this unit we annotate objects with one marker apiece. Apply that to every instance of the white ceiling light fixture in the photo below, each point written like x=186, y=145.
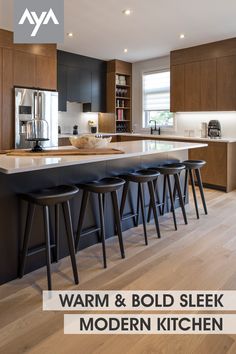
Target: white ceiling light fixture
x=70, y=34
x=182, y=36
x=127, y=12
x=125, y=50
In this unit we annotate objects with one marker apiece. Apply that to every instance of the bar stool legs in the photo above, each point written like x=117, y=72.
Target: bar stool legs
x=199, y=180
x=53, y=197
x=70, y=238
x=102, y=226
x=118, y=221
x=191, y=167
x=28, y=228
x=181, y=201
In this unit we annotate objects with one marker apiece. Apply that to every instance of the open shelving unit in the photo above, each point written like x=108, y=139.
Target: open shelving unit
x=119, y=95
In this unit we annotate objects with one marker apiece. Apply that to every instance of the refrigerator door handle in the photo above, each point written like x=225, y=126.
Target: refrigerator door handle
x=36, y=105
x=40, y=105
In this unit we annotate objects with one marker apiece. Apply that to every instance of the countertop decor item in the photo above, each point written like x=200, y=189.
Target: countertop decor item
x=37, y=130
x=89, y=142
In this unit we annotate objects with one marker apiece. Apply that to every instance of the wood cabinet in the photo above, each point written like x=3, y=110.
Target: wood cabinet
x=192, y=91
x=203, y=78
x=7, y=123
x=226, y=83
x=177, y=88
x=62, y=87
x=79, y=85
x=24, y=69
x=46, y=72
x=220, y=169
x=81, y=79
x=208, y=85
x=119, y=94
x=27, y=65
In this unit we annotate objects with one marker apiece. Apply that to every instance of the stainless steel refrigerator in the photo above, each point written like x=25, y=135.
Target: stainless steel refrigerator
x=35, y=104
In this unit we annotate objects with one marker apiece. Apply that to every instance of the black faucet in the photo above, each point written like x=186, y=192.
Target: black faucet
x=155, y=129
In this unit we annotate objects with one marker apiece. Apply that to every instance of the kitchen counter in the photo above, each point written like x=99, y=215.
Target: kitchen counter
x=11, y=164
x=161, y=137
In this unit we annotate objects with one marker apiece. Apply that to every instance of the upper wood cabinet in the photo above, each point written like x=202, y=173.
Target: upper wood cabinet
x=46, y=72
x=192, y=91
x=177, y=88
x=205, y=76
x=24, y=69
x=226, y=83
x=208, y=85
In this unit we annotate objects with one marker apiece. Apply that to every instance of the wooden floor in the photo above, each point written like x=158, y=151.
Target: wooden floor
x=201, y=255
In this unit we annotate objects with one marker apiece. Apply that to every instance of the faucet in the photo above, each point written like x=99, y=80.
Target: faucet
x=155, y=129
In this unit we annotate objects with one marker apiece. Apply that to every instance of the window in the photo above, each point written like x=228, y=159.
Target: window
x=156, y=99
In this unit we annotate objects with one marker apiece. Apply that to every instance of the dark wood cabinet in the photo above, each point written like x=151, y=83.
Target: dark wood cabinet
x=209, y=73
x=192, y=92
x=62, y=87
x=226, y=83
x=79, y=85
x=24, y=69
x=177, y=85
x=81, y=79
x=46, y=72
x=208, y=85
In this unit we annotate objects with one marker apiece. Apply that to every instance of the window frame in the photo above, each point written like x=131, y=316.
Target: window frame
x=163, y=127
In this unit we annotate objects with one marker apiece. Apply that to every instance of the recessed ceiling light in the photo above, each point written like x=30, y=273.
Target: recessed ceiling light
x=182, y=36
x=125, y=50
x=70, y=34
x=127, y=12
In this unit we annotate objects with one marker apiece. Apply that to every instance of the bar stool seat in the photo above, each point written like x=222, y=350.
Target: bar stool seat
x=193, y=164
x=51, y=196
x=191, y=167
x=104, y=185
x=141, y=177
x=56, y=196
x=101, y=187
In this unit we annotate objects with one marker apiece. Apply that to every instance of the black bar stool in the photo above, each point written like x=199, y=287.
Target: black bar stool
x=172, y=170
x=191, y=167
x=101, y=187
x=45, y=198
x=141, y=177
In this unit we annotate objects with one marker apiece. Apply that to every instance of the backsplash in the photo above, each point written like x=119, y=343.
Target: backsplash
x=192, y=121
x=75, y=116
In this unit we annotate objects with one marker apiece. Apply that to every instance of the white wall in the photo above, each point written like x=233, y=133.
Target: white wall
x=75, y=116
x=184, y=121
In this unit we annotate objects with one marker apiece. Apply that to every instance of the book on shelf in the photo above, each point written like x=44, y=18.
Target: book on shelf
x=120, y=114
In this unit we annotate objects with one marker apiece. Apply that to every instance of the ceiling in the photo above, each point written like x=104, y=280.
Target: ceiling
x=100, y=29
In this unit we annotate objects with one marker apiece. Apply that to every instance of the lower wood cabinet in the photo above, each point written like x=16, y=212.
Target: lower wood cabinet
x=220, y=169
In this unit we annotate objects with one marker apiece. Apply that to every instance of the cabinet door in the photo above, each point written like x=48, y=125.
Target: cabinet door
x=98, y=91
x=226, y=83
x=62, y=87
x=46, y=72
x=193, y=86
x=1, y=75
x=215, y=170
x=208, y=85
x=79, y=85
x=24, y=69
x=7, y=124
x=177, y=88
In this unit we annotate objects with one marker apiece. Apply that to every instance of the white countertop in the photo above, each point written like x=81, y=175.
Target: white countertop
x=163, y=137
x=16, y=164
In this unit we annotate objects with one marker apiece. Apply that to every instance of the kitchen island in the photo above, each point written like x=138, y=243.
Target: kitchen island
x=24, y=174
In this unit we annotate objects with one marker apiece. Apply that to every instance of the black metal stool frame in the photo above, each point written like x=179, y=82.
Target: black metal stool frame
x=101, y=203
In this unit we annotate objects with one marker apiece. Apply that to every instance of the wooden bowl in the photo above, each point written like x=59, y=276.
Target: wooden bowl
x=89, y=142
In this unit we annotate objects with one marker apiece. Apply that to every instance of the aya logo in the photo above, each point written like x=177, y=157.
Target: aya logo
x=33, y=19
